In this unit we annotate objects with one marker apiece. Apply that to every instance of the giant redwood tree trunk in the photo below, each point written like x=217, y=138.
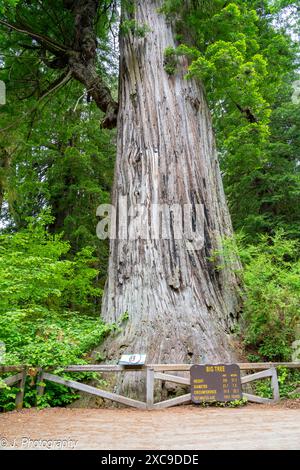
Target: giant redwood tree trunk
x=181, y=306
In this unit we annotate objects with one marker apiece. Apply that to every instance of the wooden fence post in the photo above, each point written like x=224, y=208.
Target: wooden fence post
x=40, y=389
x=275, y=385
x=150, y=388
x=20, y=394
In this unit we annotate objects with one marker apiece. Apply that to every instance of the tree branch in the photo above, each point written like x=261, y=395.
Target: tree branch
x=80, y=60
x=247, y=114
x=51, y=45
x=60, y=82
x=54, y=87
x=82, y=63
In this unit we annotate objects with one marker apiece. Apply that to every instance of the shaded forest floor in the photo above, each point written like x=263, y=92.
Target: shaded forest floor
x=185, y=427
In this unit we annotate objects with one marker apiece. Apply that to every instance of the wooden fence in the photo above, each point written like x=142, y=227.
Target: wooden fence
x=18, y=379
x=162, y=372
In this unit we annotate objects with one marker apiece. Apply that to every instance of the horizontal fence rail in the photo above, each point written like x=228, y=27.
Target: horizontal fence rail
x=94, y=391
x=162, y=372
x=19, y=380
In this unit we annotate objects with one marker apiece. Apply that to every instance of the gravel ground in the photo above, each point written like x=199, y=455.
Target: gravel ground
x=184, y=427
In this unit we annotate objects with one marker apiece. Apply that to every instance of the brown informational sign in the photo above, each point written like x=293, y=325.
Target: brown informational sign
x=218, y=382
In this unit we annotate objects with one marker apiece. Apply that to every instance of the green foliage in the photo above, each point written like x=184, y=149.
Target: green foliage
x=227, y=404
x=262, y=176
x=47, y=304
x=288, y=380
x=61, y=160
x=272, y=303
x=170, y=60
x=271, y=282
x=131, y=26
x=53, y=158
x=253, y=358
x=248, y=65
x=58, y=156
x=6, y=4
x=234, y=403
x=34, y=273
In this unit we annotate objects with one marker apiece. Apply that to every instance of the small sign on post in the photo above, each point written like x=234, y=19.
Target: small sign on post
x=132, y=360
x=216, y=382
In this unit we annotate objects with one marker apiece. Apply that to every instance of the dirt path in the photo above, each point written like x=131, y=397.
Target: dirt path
x=188, y=427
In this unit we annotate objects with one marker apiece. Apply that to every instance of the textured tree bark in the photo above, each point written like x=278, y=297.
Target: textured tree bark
x=181, y=307
x=82, y=58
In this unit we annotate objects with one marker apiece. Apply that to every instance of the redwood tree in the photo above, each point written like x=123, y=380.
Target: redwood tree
x=180, y=305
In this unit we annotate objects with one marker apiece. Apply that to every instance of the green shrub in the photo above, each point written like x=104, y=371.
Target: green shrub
x=288, y=380
x=170, y=60
x=272, y=300
x=271, y=291
x=48, y=308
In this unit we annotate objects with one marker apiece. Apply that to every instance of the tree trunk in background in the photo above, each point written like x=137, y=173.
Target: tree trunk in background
x=181, y=307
